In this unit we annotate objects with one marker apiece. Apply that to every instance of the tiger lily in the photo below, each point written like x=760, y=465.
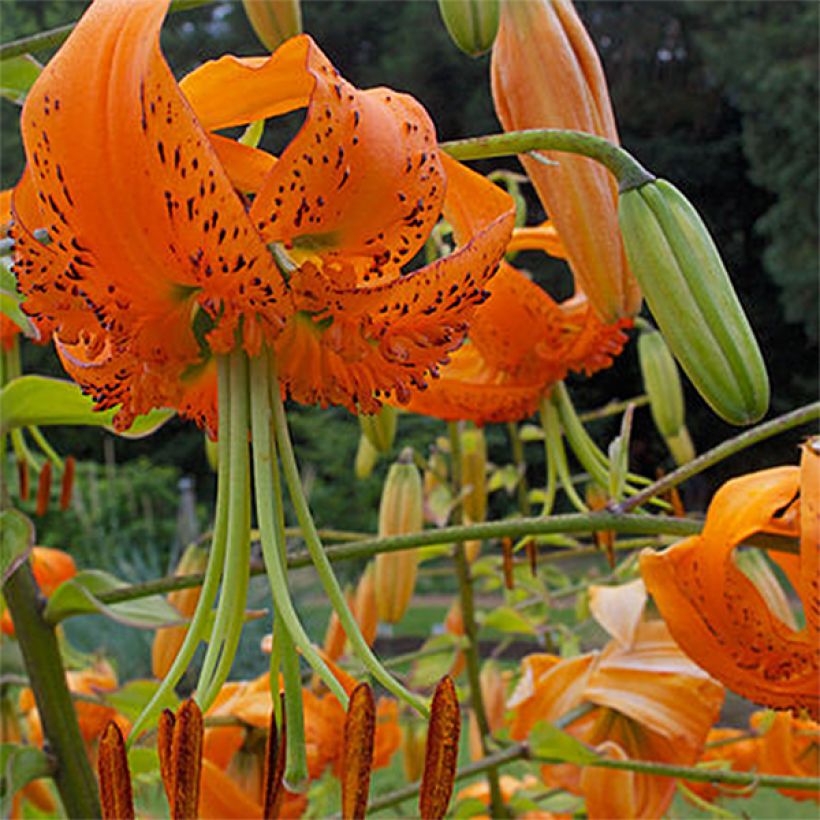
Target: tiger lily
x=720, y=617
x=547, y=74
x=648, y=702
x=521, y=342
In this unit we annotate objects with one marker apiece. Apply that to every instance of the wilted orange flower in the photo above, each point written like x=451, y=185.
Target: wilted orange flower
x=156, y=261
x=92, y=717
x=720, y=617
x=51, y=567
x=652, y=703
x=788, y=746
x=520, y=343
x=546, y=74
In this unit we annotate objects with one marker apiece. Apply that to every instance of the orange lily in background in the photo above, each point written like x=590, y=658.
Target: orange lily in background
x=233, y=764
x=650, y=703
x=92, y=717
x=520, y=343
x=155, y=260
x=51, y=567
x=720, y=617
x=547, y=74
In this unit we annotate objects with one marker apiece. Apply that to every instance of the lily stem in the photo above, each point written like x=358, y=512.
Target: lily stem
x=471, y=656
x=73, y=776
x=803, y=415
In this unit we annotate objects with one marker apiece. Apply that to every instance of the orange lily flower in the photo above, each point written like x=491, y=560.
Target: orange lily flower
x=155, y=261
x=546, y=74
x=650, y=703
x=520, y=343
x=236, y=753
x=92, y=717
x=51, y=567
x=729, y=749
x=720, y=617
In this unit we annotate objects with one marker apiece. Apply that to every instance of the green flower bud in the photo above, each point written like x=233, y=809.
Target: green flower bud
x=686, y=286
x=274, y=21
x=662, y=383
x=380, y=428
x=472, y=24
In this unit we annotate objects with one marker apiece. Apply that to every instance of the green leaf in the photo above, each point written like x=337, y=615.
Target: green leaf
x=10, y=306
x=470, y=807
x=78, y=596
x=506, y=477
x=131, y=699
x=41, y=401
x=506, y=619
x=19, y=765
x=549, y=743
x=431, y=668
x=16, y=539
x=17, y=76
x=530, y=432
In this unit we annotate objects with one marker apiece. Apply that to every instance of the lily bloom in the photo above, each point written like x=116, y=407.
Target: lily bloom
x=156, y=262
x=50, y=567
x=649, y=702
x=521, y=342
x=720, y=617
x=547, y=74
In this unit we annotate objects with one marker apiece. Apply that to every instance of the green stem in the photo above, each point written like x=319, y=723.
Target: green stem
x=803, y=415
x=54, y=37
x=511, y=527
x=227, y=628
x=322, y=564
x=49, y=452
x=612, y=408
x=471, y=656
x=73, y=776
x=517, y=447
x=555, y=450
x=289, y=631
x=626, y=169
x=518, y=751
x=213, y=572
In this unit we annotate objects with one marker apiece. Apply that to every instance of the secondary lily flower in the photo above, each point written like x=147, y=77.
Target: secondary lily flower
x=720, y=617
x=547, y=74
x=650, y=703
x=521, y=342
x=156, y=262
x=51, y=567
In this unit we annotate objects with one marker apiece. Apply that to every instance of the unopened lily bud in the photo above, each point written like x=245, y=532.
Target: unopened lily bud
x=400, y=513
x=474, y=482
x=364, y=605
x=380, y=428
x=692, y=299
x=597, y=498
x=454, y=625
x=335, y=636
x=274, y=21
x=169, y=638
x=413, y=740
x=212, y=453
x=366, y=457
x=472, y=24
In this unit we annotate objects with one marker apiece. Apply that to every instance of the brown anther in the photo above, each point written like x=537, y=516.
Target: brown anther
x=441, y=752
x=357, y=753
x=186, y=753
x=116, y=796
x=507, y=562
x=22, y=479
x=532, y=555
x=44, y=489
x=275, y=757
x=165, y=743
x=67, y=484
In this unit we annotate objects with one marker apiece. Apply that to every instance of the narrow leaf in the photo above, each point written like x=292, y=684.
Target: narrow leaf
x=17, y=75
x=549, y=743
x=16, y=540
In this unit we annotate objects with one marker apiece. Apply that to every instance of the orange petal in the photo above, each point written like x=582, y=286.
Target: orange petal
x=619, y=609
x=790, y=747
x=716, y=613
x=546, y=74
x=51, y=567
x=221, y=798
x=542, y=237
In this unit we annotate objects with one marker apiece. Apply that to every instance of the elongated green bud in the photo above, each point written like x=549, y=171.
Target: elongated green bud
x=472, y=24
x=686, y=286
x=474, y=474
x=662, y=383
x=401, y=512
x=380, y=428
x=274, y=21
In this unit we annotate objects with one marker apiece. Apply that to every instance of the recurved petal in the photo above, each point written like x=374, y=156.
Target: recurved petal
x=619, y=609
x=716, y=613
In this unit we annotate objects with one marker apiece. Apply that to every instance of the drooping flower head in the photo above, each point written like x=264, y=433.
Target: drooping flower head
x=161, y=230
x=521, y=342
x=720, y=617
